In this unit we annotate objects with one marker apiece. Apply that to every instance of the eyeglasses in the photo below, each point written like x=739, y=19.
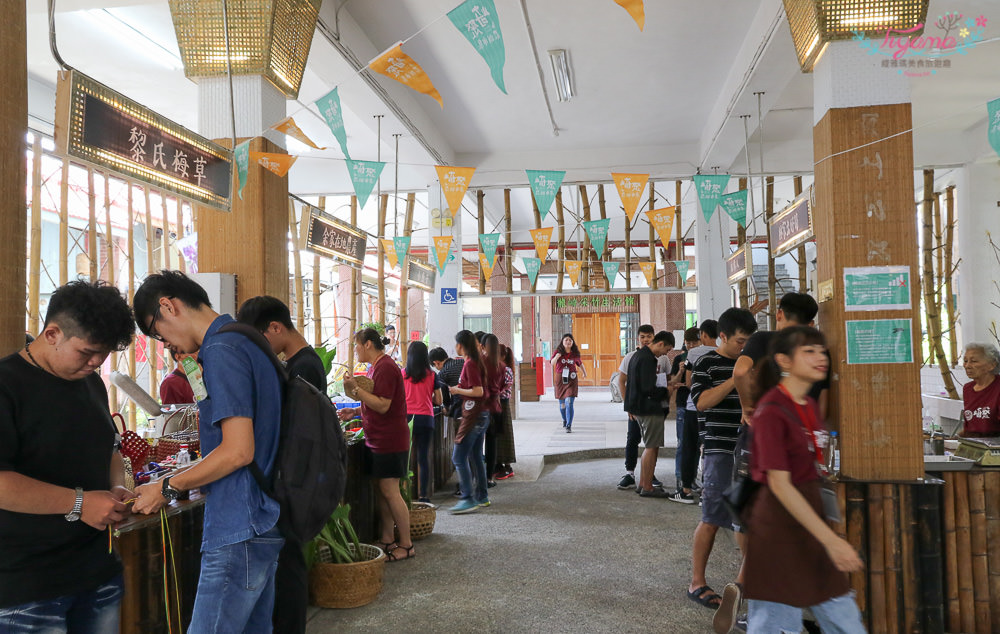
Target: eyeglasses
x=152, y=323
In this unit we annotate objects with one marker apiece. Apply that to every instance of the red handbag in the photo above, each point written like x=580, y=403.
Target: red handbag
x=133, y=446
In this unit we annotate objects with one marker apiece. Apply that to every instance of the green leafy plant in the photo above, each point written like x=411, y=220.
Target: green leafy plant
x=405, y=484
x=327, y=357
x=380, y=328
x=339, y=536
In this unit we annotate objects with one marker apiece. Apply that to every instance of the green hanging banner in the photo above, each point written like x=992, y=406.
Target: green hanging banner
x=682, y=270
x=488, y=242
x=597, y=231
x=364, y=175
x=544, y=185
x=993, y=124
x=611, y=272
x=531, y=267
x=329, y=109
x=477, y=20
x=241, y=156
x=735, y=204
x=401, y=245
x=710, y=188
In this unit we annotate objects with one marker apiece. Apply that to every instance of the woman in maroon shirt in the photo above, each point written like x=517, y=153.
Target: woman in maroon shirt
x=793, y=559
x=981, y=395
x=468, y=453
x=567, y=387
x=490, y=347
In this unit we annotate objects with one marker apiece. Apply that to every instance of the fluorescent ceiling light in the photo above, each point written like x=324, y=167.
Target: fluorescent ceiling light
x=861, y=19
x=561, y=74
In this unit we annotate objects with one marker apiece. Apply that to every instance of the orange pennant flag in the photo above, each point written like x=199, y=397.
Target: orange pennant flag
x=395, y=64
x=485, y=263
x=288, y=127
x=442, y=247
x=573, y=269
x=454, y=183
x=663, y=222
x=636, y=9
x=630, y=188
x=542, y=238
x=389, y=248
x=277, y=163
x=649, y=270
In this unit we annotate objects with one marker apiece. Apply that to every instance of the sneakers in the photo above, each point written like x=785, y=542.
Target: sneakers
x=504, y=474
x=464, y=506
x=490, y=484
x=656, y=483
x=483, y=503
x=653, y=493
x=627, y=482
x=569, y=430
x=729, y=609
x=682, y=497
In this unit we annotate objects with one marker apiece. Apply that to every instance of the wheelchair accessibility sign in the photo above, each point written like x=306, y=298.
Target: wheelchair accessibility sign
x=449, y=296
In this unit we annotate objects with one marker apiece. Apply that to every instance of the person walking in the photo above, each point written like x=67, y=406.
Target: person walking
x=564, y=364
x=644, y=401
x=472, y=428
x=422, y=394
x=633, y=434
x=506, y=455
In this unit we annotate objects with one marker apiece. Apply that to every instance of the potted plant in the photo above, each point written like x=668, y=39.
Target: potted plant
x=344, y=573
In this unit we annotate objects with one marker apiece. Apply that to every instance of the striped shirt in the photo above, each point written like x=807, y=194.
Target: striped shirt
x=722, y=422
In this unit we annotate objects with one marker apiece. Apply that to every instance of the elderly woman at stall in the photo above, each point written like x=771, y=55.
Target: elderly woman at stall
x=981, y=395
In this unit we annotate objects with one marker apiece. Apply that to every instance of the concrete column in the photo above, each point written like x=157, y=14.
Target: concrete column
x=501, y=307
x=417, y=311
x=444, y=320
x=977, y=195
x=711, y=249
x=13, y=218
x=258, y=105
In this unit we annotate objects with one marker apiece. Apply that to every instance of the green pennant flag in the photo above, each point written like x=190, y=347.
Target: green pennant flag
x=401, y=245
x=531, y=267
x=489, y=242
x=241, y=156
x=477, y=20
x=710, y=188
x=544, y=185
x=611, y=272
x=597, y=231
x=682, y=270
x=735, y=205
x=993, y=124
x=329, y=109
x=364, y=175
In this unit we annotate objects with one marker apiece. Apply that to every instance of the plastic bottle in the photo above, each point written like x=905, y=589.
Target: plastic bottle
x=183, y=457
x=833, y=454
x=937, y=440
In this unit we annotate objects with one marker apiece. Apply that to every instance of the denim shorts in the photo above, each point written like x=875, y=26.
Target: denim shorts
x=717, y=475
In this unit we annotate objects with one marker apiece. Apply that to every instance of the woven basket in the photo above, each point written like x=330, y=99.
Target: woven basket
x=422, y=518
x=346, y=585
x=363, y=383
x=170, y=445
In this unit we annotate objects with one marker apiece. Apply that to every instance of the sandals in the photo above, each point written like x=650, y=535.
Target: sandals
x=711, y=600
x=387, y=547
x=391, y=553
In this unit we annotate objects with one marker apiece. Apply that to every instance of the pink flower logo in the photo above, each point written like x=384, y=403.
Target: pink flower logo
x=981, y=20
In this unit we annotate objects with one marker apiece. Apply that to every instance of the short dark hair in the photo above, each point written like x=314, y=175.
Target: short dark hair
x=665, y=336
x=800, y=308
x=389, y=327
x=260, y=311
x=438, y=354
x=734, y=320
x=170, y=284
x=93, y=311
x=691, y=334
x=646, y=329
x=709, y=327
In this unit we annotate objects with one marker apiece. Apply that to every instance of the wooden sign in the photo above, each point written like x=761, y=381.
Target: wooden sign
x=793, y=226
x=108, y=130
x=736, y=266
x=336, y=238
x=604, y=303
x=420, y=274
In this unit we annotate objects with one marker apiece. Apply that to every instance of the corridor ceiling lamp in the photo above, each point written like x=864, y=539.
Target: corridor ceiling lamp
x=270, y=38
x=561, y=74
x=816, y=23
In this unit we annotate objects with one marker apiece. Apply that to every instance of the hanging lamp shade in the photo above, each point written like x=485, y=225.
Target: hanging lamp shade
x=270, y=38
x=816, y=23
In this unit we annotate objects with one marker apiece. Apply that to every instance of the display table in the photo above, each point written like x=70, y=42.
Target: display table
x=359, y=493
x=440, y=458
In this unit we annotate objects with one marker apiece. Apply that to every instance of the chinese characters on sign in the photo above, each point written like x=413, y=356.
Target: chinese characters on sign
x=793, y=226
x=877, y=288
x=630, y=188
x=334, y=238
x=454, y=183
x=477, y=21
x=710, y=188
x=395, y=64
x=736, y=266
x=568, y=304
x=880, y=341
x=420, y=275
x=544, y=185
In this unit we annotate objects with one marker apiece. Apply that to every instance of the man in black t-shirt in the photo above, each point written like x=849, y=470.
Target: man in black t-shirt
x=61, y=476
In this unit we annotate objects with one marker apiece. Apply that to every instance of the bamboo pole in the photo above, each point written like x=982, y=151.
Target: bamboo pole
x=404, y=289
x=355, y=290
x=481, y=220
x=741, y=241
x=584, y=270
x=939, y=257
x=110, y=241
x=652, y=235
x=801, y=253
x=603, y=209
x=165, y=221
x=561, y=252
x=909, y=573
x=538, y=225
x=35, y=255
x=92, y=226
x=856, y=521
x=679, y=248
x=151, y=352
x=317, y=291
x=930, y=301
x=953, y=604
x=893, y=585
x=772, y=281
x=927, y=528
x=64, y=225
x=980, y=561
x=509, y=272
x=293, y=225
x=876, y=557
x=949, y=273
x=181, y=265
x=992, y=500
x=383, y=204
x=130, y=250
x=963, y=531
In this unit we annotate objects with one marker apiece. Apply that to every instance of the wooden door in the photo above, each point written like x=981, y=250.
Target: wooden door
x=597, y=336
x=583, y=333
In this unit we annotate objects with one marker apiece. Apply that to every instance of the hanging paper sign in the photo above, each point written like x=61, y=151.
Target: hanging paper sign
x=710, y=188
x=395, y=64
x=288, y=127
x=649, y=271
x=993, y=124
x=241, y=156
x=454, y=183
x=544, y=185
x=277, y=163
x=597, y=231
x=335, y=238
x=488, y=243
x=531, y=267
x=484, y=263
x=400, y=247
x=420, y=275
x=573, y=268
x=611, y=272
x=663, y=221
x=735, y=204
x=329, y=109
x=389, y=248
x=477, y=20
x=736, y=266
x=630, y=187
x=364, y=175
x=635, y=9
x=542, y=238
x=792, y=226
x=442, y=248
x=682, y=272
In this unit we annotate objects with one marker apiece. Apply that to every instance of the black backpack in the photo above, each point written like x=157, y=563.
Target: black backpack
x=310, y=470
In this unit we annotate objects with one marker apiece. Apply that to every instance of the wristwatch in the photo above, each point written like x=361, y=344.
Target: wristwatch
x=74, y=515
x=168, y=491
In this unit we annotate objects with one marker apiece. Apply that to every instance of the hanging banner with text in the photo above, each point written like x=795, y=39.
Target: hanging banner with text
x=682, y=272
x=542, y=238
x=531, y=267
x=364, y=175
x=635, y=9
x=488, y=243
x=993, y=124
x=648, y=271
x=663, y=221
x=484, y=263
x=454, y=183
x=544, y=185
x=710, y=188
x=603, y=303
x=597, y=231
x=611, y=272
x=630, y=188
x=395, y=64
x=735, y=205
x=401, y=246
x=241, y=156
x=389, y=248
x=477, y=20
x=330, y=110
x=288, y=127
x=442, y=249
x=277, y=163
x=573, y=270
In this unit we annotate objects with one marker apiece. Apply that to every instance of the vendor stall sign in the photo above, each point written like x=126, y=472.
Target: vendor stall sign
x=873, y=341
x=920, y=51
x=604, y=303
x=108, y=130
x=420, y=275
x=792, y=226
x=736, y=266
x=335, y=238
x=877, y=288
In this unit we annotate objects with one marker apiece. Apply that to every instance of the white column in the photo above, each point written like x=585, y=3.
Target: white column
x=259, y=105
x=977, y=194
x=444, y=320
x=710, y=252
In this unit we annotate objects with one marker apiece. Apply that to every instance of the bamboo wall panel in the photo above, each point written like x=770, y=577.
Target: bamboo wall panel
x=953, y=605
x=963, y=533
x=980, y=563
x=991, y=488
x=35, y=263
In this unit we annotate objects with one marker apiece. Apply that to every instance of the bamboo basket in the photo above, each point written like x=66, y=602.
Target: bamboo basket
x=346, y=585
x=422, y=518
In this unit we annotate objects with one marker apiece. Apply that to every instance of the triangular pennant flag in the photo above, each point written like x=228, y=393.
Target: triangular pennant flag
x=442, y=249
x=630, y=188
x=993, y=124
x=636, y=9
x=663, y=221
x=573, y=270
x=277, y=163
x=401, y=246
x=329, y=109
x=735, y=204
x=544, y=185
x=597, y=231
x=288, y=127
x=477, y=20
x=542, y=238
x=488, y=242
x=486, y=266
x=611, y=272
x=389, y=249
x=395, y=64
x=241, y=156
x=682, y=271
x=710, y=188
x=531, y=267
x=364, y=175
x=454, y=183
x=649, y=271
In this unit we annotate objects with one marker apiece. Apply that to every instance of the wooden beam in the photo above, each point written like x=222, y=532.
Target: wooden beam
x=151, y=353
x=92, y=225
x=679, y=246
x=181, y=265
x=772, y=299
x=404, y=289
x=508, y=240
x=561, y=252
x=652, y=234
x=603, y=209
x=930, y=300
x=35, y=262
x=801, y=253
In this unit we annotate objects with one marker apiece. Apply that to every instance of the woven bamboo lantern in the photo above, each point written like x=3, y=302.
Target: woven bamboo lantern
x=816, y=23
x=270, y=38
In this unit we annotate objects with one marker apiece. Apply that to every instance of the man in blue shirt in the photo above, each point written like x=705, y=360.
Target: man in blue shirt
x=240, y=422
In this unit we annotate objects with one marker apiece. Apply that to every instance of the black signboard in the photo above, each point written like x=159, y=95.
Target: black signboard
x=109, y=130
x=420, y=275
x=736, y=266
x=793, y=226
x=336, y=238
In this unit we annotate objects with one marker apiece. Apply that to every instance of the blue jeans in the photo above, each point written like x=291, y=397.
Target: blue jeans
x=839, y=615
x=566, y=409
x=468, y=456
x=93, y=612
x=236, y=586
x=679, y=459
